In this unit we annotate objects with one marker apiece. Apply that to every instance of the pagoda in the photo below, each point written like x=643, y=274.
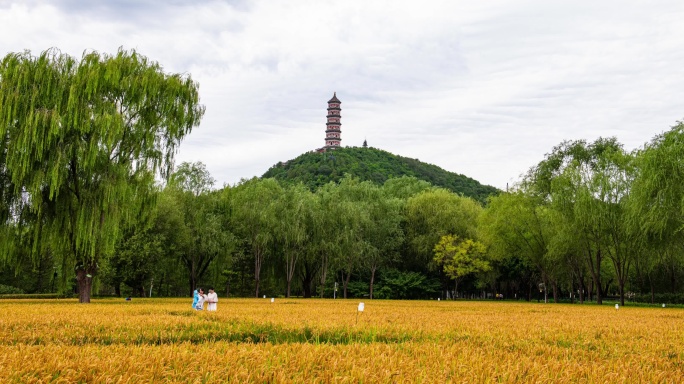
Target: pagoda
x=332, y=126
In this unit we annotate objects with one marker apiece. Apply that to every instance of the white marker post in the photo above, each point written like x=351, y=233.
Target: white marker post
x=272, y=300
x=359, y=310
x=617, y=306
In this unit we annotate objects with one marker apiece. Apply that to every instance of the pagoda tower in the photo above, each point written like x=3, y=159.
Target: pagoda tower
x=332, y=126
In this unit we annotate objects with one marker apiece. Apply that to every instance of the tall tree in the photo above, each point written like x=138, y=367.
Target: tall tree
x=588, y=184
x=383, y=234
x=293, y=211
x=202, y=211
x=460, y=258
x=83, y=142
x=657, y=204
x=435, y=213
x=517, y=226
x=253, y=215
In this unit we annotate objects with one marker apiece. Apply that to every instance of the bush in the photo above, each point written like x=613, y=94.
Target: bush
x=661, y=298
x=36, y=296
x=395, y=284
x=9, y=290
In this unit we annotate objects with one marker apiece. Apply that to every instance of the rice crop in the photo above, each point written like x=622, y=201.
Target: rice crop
x=329, y=341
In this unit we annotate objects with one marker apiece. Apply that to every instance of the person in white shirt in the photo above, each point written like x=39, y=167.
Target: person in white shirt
x=212, y=299
x=201, y=297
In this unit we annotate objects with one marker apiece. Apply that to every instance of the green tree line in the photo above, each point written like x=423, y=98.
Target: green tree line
x=86, y=142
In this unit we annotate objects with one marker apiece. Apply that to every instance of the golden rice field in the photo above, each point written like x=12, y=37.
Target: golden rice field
x=254, y=340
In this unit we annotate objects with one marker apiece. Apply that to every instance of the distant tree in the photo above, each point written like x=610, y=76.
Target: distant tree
x=82, y=143
x=436, y=213
x=369, y=164
x=460, y=258
x=293, y=210
x=207, y=238
x=384, y=235
x=253, y=213
x=517, y=225
x=657, y=205
x=588, y=184
x=405, y=187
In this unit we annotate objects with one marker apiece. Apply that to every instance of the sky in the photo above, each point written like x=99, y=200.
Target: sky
x=480, y=88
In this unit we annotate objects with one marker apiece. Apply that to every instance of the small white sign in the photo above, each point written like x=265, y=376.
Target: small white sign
x=617, y=306
x=663, y=305
x=361, y=306
x=264, y=296
x=272, y=299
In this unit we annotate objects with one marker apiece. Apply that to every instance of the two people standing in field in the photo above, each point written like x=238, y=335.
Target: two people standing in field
x=199, y=298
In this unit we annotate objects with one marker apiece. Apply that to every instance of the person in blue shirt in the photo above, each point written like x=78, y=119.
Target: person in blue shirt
x=195, y=297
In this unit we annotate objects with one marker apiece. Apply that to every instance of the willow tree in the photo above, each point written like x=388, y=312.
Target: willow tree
x=83, y=143
x=657, y=209
x=253, y=207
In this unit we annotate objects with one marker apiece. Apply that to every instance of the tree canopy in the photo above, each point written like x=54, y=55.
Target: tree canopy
x=370, y=164
x=83, y=141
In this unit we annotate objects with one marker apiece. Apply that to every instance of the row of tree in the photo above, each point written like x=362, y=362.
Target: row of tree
x=592, y=217
x=82, y=143
x=300, y=239
x=588, y=221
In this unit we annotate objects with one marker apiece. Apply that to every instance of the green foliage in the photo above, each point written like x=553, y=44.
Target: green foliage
x=9, y=290
x=435, y=213
x=369, y=164
x=83, y=141
x=460, y=258
x=396, y=284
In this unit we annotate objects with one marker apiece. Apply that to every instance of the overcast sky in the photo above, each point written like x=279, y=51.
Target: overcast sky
x=481, y=88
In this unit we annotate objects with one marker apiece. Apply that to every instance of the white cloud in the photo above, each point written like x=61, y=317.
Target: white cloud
x=479, y=88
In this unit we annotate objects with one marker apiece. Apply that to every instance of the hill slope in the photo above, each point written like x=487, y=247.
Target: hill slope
x=316, y=169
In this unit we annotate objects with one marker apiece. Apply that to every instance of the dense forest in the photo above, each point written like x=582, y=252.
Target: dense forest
x=315, y=169
x=82, y=210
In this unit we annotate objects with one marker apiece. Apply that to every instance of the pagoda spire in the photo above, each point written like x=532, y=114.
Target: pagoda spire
x=333, y=125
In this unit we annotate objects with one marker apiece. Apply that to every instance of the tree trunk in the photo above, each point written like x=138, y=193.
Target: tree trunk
x=599, y=291
x=161, y=285
x=555, y=291
x=673, y=278
x=652, y=291
x=84, y=277
x=529, y=291
x=193, y=284
x=606, y=289
x=306, y=287
x=257, y=272
x=307, y=279
x=581, y=289
x=324, y=272
x=346, y=282
x=372, y=280
x=290, y=266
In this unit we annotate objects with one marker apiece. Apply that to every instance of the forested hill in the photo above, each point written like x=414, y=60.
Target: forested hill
x=316, y=169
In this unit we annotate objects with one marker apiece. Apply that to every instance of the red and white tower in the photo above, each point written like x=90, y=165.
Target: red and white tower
x=332, y=126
